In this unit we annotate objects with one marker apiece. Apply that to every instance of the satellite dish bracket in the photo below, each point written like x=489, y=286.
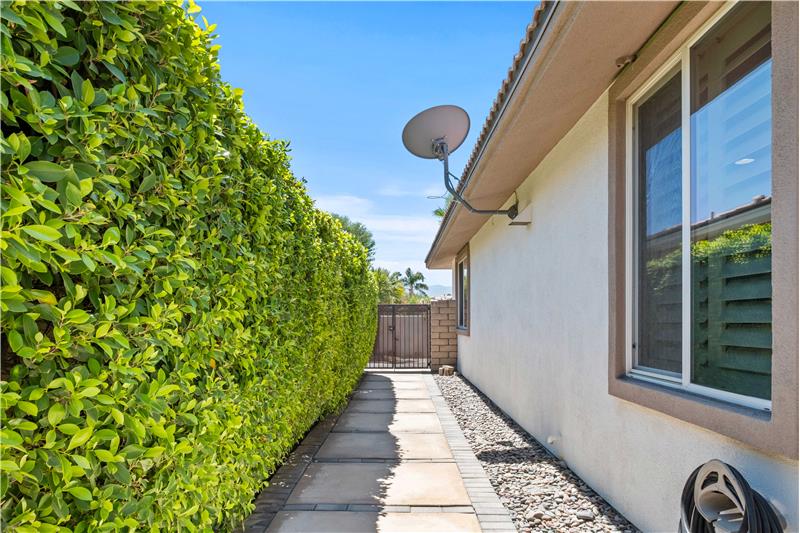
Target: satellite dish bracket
x=441, y=150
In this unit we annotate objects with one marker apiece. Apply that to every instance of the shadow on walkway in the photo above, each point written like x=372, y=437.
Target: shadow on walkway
x=384, y=466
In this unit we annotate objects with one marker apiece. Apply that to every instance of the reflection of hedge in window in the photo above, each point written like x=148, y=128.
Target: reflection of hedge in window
x=740, y=326
x=731, y=139
x=732, y=311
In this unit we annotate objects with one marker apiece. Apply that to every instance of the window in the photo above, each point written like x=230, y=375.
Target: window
x=700, y=230
x=462, y=289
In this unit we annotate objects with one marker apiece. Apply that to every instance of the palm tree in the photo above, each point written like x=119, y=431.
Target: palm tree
x=390, y=286
x=415, y=281
x=439, y=212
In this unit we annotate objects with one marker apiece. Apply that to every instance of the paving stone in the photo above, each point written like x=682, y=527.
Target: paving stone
x=428, y=522
x=390, y=406
x=393, y=385
x=483, y=499
x=299, y=506
x=363, y=507
x=504, y=518
x=408, y=385
x=376, y=385
x=458, y=509
x=323, y=522
x=406, y=422
x=488, y=508
x=331, y=507
x=385, y=445
x=399, y=376
x=376, y=484
x=397, y=508
x=497, y=526
x=390, y=394
x=370, y=522
x=373, y=394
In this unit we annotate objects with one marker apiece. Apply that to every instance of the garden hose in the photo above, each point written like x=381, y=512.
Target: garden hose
x=717, y=499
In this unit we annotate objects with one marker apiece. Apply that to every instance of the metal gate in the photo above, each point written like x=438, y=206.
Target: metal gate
x=404, y=337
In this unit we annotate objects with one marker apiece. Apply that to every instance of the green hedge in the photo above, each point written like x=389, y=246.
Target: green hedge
x=175, y=311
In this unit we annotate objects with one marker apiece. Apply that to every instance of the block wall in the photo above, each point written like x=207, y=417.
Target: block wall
x=444, y=343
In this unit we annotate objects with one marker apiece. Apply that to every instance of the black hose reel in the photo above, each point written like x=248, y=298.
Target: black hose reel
x=717, y=499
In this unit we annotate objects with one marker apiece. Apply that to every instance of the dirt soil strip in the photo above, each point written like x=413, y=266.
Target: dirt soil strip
x=540, y=492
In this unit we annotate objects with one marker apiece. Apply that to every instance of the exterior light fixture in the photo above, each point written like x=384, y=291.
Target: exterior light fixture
x=434, y=134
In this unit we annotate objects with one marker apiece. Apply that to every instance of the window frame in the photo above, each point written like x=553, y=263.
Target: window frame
x=462, y=303
x=679, y=60
x=775, y=432
x=652, y=85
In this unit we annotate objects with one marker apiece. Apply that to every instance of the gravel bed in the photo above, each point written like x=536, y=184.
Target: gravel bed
x=539, y=490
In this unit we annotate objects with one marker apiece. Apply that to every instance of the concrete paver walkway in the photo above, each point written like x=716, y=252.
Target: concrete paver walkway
x=394, y=461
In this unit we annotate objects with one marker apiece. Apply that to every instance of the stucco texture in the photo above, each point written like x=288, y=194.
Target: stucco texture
x=538, y=345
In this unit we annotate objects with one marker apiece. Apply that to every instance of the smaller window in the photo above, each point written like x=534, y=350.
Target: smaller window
x=462, y=289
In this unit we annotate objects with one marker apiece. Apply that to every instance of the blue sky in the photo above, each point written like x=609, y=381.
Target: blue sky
x=340, y=80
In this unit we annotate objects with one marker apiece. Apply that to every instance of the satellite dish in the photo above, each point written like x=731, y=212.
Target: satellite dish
x=448, y=123
x=435, y=134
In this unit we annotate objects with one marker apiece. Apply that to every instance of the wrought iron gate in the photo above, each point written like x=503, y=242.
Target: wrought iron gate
x=404, y=337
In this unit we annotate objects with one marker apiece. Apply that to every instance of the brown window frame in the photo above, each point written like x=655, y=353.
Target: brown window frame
x=774, y=432
x=462, y=257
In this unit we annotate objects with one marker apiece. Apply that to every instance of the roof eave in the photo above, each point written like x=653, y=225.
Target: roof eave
x=528, y=46
x=541, y=100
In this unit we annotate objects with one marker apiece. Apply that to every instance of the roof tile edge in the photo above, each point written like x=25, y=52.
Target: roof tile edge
x=499, y=101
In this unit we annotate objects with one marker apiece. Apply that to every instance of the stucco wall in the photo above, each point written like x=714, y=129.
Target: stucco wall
x=538, y=345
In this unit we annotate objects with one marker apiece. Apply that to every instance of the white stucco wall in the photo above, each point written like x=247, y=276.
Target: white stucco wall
x=538, y=346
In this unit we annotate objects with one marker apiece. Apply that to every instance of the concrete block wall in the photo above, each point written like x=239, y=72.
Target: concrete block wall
x=444, y=343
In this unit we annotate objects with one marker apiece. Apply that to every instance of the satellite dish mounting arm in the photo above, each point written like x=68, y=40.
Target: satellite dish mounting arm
x=442, y=153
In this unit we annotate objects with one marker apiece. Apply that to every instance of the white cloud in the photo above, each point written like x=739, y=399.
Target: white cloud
x=401, y=241
x=405, y=228
x=398, y=227
x=344, y=204
x=397, y=191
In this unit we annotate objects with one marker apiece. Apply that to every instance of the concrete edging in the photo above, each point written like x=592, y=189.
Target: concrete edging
x=492, y=514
